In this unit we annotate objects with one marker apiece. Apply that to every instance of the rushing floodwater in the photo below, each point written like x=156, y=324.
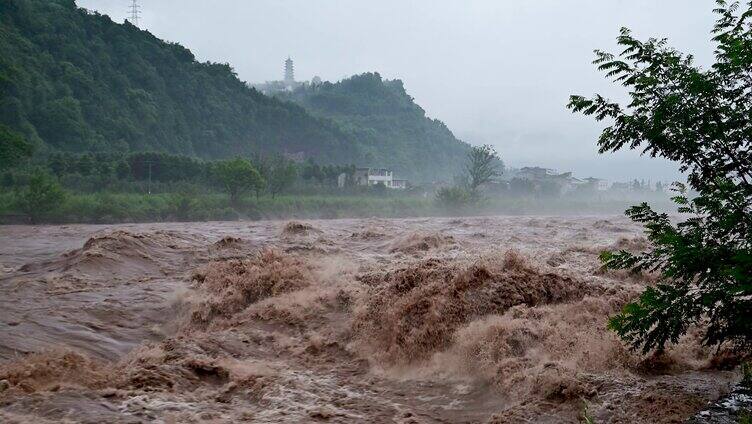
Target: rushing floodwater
x=409, y=321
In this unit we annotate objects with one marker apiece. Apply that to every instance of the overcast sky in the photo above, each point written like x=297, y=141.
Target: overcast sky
x=495, y=71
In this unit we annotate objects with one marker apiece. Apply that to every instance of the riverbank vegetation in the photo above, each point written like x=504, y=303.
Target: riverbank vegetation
x=139, y=187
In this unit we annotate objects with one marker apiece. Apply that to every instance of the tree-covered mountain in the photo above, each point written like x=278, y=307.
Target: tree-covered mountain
x=73, y=80
x=391, y=129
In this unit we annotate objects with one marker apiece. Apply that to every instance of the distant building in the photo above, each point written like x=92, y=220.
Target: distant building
x=596, y=183
x=535, y=173
x=286, y=84
x=375, y=176
x=621, y=187
x=289, y=72
x=401, y=184
x=342, y=180
x=544, y=177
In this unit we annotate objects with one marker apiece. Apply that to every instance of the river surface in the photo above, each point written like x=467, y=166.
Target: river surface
x=441, y=320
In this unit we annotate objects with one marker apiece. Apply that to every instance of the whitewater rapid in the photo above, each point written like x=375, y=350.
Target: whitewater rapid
x=488, y=319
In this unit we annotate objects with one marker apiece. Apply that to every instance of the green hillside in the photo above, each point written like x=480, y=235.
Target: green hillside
x=72, y=80
x=75, y=81
x=392, y=130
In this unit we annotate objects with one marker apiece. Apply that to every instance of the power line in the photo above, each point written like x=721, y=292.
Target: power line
x=135, y=12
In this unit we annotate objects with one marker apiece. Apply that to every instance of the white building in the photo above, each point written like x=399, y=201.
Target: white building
x=401, y=184
x=375, y=176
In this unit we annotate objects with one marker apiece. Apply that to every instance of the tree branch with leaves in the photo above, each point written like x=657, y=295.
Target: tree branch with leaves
x=702, y=119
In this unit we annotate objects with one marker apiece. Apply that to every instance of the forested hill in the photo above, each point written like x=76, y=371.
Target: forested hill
x=73, y=80
x=392, y=130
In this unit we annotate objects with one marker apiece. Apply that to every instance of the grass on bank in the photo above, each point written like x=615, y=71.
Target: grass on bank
x=107, y=207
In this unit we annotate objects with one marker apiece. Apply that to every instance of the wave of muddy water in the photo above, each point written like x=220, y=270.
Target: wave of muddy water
x=406, y=321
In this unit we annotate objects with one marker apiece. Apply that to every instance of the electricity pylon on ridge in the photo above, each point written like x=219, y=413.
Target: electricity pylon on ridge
x=135, y=12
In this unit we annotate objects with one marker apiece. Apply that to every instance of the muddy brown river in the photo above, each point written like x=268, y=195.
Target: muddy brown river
x=489, y=319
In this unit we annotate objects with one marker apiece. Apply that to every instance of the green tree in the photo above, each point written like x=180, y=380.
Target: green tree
x=61, y=122
x=312, y=172
x=453, y=199
x=13, y=148
x=237, y=177
x=703, y=120
x=122, y=169
x=482, y=167
x=42, y=194
x=281, y=175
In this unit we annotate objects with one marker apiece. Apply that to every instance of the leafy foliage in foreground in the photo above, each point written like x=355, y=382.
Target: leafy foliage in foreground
x=703, y=120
